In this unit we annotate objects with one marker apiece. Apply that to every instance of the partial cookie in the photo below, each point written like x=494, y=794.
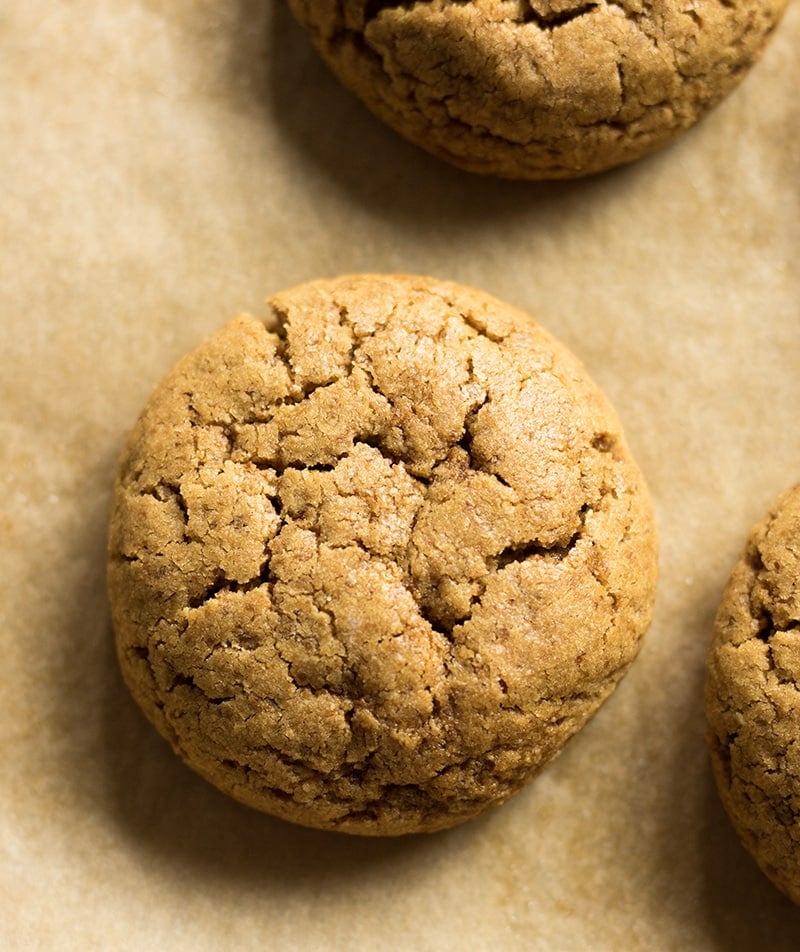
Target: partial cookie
x=753, y=695
x=535, y=89
x=375, y=558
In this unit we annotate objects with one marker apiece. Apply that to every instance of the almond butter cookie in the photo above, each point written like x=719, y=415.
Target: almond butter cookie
x=753, y=695
x=375, y=557
x=534, y=89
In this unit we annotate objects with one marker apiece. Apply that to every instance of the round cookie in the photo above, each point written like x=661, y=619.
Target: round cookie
x=753, y=695
x=536, y=89
x=374, y=558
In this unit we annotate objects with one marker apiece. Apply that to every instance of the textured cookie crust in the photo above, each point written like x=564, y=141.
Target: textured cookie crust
x=375, y=558
x=532, y=89
x=753, y=695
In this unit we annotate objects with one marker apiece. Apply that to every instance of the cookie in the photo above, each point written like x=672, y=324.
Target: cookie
x=374, y=558
x=536, y=89
x=753, y=695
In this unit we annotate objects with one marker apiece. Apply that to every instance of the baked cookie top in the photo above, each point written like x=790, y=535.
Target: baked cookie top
x=531, y=89
x=753, y=695
x=375, y=558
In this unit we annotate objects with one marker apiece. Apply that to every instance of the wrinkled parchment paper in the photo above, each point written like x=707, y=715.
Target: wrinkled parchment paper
x=165, y=164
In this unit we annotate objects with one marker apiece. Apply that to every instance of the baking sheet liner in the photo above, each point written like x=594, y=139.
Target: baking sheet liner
x=165, y=165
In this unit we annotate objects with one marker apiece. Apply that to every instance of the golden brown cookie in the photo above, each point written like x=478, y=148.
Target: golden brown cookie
x=753, y=695
x=376, y=557
x=534, y=89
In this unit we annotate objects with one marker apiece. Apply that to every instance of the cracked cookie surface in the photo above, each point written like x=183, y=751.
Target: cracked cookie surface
x=374, y=558
x=532, y=89
x=753, y=695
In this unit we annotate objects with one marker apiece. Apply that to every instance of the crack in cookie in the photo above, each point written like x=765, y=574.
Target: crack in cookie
x=515, y=11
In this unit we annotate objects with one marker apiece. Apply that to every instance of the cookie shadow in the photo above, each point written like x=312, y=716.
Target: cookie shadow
x=119, y=772
x=330, y=134
x=168, y=814
x=174, y=817
x=745, y=910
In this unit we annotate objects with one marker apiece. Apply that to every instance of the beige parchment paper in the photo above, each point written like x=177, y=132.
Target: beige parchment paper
x=165, y=164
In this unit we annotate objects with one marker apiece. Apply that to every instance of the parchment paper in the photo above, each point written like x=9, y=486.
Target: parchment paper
x=165, y=164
